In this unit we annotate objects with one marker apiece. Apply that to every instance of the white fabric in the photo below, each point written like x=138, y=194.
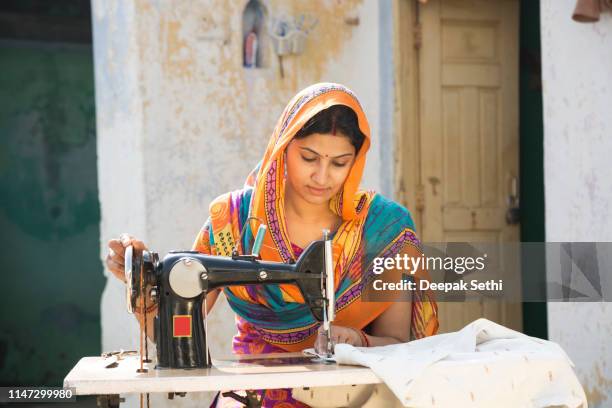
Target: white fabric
x=482, y=365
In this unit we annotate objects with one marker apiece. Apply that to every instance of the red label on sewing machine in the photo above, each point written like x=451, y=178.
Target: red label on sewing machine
x=181, y=326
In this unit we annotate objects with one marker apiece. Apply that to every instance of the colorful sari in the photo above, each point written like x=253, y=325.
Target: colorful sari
x=274, y=318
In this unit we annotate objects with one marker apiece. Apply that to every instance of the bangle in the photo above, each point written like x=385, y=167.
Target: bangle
x=364, y=338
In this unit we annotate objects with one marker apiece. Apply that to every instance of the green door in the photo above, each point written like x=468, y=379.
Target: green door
x=49, y=212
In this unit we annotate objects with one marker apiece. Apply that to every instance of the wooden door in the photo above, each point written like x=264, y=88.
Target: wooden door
x=468, y=137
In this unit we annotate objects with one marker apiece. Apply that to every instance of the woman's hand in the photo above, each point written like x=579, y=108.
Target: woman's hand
x=115, y=260
x=340, y=334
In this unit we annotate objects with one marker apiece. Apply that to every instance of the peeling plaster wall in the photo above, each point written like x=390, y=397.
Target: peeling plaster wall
x=120, y=143
x=577, y=79
x=180, y=121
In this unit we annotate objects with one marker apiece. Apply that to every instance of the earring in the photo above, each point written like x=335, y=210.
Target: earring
x=285, y=164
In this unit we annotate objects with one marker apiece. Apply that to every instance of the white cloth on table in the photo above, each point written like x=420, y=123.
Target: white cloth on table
x=482, y=365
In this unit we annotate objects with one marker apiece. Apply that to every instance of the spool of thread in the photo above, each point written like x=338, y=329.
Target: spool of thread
x=261, y=231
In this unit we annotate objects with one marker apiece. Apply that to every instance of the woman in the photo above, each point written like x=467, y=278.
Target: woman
x=308, y=181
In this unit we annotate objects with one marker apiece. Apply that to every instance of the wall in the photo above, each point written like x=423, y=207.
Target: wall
x=180, y=121
x=577, y=80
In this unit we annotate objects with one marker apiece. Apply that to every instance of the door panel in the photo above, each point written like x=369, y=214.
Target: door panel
x=469, y=133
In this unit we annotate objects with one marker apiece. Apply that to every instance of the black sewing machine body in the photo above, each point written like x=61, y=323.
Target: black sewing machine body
x=181, y=281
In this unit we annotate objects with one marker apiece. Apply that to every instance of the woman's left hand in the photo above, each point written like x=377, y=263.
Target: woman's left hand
x=339, y=334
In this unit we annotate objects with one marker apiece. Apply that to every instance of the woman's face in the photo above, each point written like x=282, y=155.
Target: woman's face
x=318, y=165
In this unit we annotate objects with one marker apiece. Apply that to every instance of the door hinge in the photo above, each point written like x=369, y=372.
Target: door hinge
x=401, y=194
x=418, y=36
x=420, y=198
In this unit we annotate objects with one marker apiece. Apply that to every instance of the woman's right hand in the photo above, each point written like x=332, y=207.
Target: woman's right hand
x=115, y=260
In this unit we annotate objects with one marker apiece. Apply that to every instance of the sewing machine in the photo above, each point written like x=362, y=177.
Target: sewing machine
x=180, y=282
x=178, y=285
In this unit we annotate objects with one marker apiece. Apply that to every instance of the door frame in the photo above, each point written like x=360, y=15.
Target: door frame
x=406, y=44
x=407, y=124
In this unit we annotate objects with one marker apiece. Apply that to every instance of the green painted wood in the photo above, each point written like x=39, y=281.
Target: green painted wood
x=49, y=212
x=532, y=163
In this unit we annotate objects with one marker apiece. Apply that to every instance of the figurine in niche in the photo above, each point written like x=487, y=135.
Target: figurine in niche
x=250, y=50
x=253, y=20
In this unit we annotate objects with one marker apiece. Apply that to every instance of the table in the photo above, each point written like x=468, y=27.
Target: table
x=280, y=370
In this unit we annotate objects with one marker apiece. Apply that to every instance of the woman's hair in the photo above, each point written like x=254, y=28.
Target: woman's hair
x=336, y=118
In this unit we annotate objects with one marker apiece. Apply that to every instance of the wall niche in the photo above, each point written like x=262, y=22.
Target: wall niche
x=254, y=39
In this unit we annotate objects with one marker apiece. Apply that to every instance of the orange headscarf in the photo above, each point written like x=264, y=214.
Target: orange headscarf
x=300, y=109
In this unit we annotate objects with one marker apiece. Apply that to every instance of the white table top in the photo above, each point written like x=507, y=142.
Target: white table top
x=285, y=370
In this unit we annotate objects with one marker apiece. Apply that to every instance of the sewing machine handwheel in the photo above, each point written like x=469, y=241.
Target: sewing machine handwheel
x=127, y=265
x=138, y=263
x=132, y=277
